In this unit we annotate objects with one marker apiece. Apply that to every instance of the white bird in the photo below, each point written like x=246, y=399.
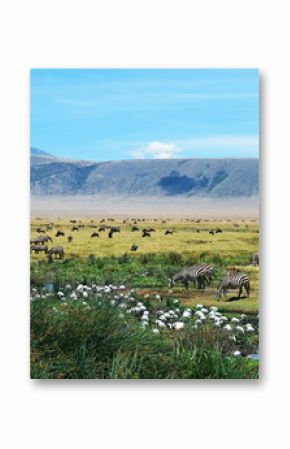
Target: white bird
x=178, y=325
x=155, y=331
x=235, y=320
x=249, y=328
x=236, y=353
x=240, y=330
x=228, y=327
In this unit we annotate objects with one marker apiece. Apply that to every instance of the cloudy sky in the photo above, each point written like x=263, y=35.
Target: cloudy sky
x=162, y=113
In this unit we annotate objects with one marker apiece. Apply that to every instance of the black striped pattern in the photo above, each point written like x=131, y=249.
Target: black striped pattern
x=232, y=282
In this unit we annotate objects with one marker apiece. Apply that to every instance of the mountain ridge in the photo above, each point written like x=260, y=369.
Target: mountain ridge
x=145, y=177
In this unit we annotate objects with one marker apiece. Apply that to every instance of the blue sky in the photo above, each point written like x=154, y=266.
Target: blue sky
x=105, y=114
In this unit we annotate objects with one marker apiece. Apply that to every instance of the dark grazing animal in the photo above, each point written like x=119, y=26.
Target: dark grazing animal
x=133, y=247
x=56, y=251
x=38, y=249
x=115, y=229
x=167, y=232
x=75, y=228
x=69, y=238
x=60, y=234
x=41, y=239
x=72, y=221
x=95, y=234
x=218, y=231
x=102, y=229
x=211, y=231
x=42, y=230
x=232, y=282
x=146, y=234
x=134, y=229
x=255, y=260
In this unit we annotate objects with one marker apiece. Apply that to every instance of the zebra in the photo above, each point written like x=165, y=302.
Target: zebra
x=185, y=276
x=203, y=269
x=199, y=274
x=231, y=282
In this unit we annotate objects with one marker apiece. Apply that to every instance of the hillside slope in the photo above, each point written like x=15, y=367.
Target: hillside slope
x=165, y=177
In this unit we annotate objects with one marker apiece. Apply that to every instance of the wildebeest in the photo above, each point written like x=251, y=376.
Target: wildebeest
x=133, y=247
x=115, y=228
x=102, y=229
x=134, y=229
x=146, y=234
x=95, y=234
x=255, y=260
x=211, y=231
x=75, y=228
x=55, y=251
x=167, y=232
x=218, y=231
x=231, y=282
x=69, y=238
x=41, y=239
x=60, y=234
x=72, y=221
x=40, y=230
x=38, y=248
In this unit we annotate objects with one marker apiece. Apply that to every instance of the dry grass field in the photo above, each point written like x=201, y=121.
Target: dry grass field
x=230, y=249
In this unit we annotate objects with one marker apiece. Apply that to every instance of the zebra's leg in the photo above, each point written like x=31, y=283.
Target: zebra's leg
x=247, y=287
x=185, y=283
x=240, y=291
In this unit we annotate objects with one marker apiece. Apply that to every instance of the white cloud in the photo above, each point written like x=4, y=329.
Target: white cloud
x=156, y=150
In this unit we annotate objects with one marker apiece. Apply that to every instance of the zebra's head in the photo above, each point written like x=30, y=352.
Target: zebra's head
x=171, y=282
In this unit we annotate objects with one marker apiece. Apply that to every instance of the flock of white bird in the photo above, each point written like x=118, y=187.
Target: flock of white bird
x=175, y=318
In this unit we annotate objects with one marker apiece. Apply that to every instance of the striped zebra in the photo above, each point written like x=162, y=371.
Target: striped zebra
x=197, y=274
x=232, y=282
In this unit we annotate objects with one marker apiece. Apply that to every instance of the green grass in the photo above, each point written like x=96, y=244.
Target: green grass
x=74, y=341
x=92, y=342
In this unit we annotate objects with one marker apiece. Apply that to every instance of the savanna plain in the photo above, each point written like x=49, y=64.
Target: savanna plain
x=105, y=309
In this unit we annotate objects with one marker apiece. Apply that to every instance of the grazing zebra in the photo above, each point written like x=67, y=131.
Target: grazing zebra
x=232, y=282
x=205, y=270
x=197, y=274
x=186, y=276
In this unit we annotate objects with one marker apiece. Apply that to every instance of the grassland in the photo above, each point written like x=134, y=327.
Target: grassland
x=157, y=258
x=87, y=339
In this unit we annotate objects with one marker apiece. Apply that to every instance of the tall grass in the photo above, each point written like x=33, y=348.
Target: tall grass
x=77, y=341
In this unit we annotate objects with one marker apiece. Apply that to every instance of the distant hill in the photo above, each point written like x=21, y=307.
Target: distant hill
x=38, y=152
x=38, y=156
x=163, y=177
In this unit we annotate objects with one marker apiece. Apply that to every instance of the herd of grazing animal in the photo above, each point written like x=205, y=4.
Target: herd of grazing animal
x=199, y=275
